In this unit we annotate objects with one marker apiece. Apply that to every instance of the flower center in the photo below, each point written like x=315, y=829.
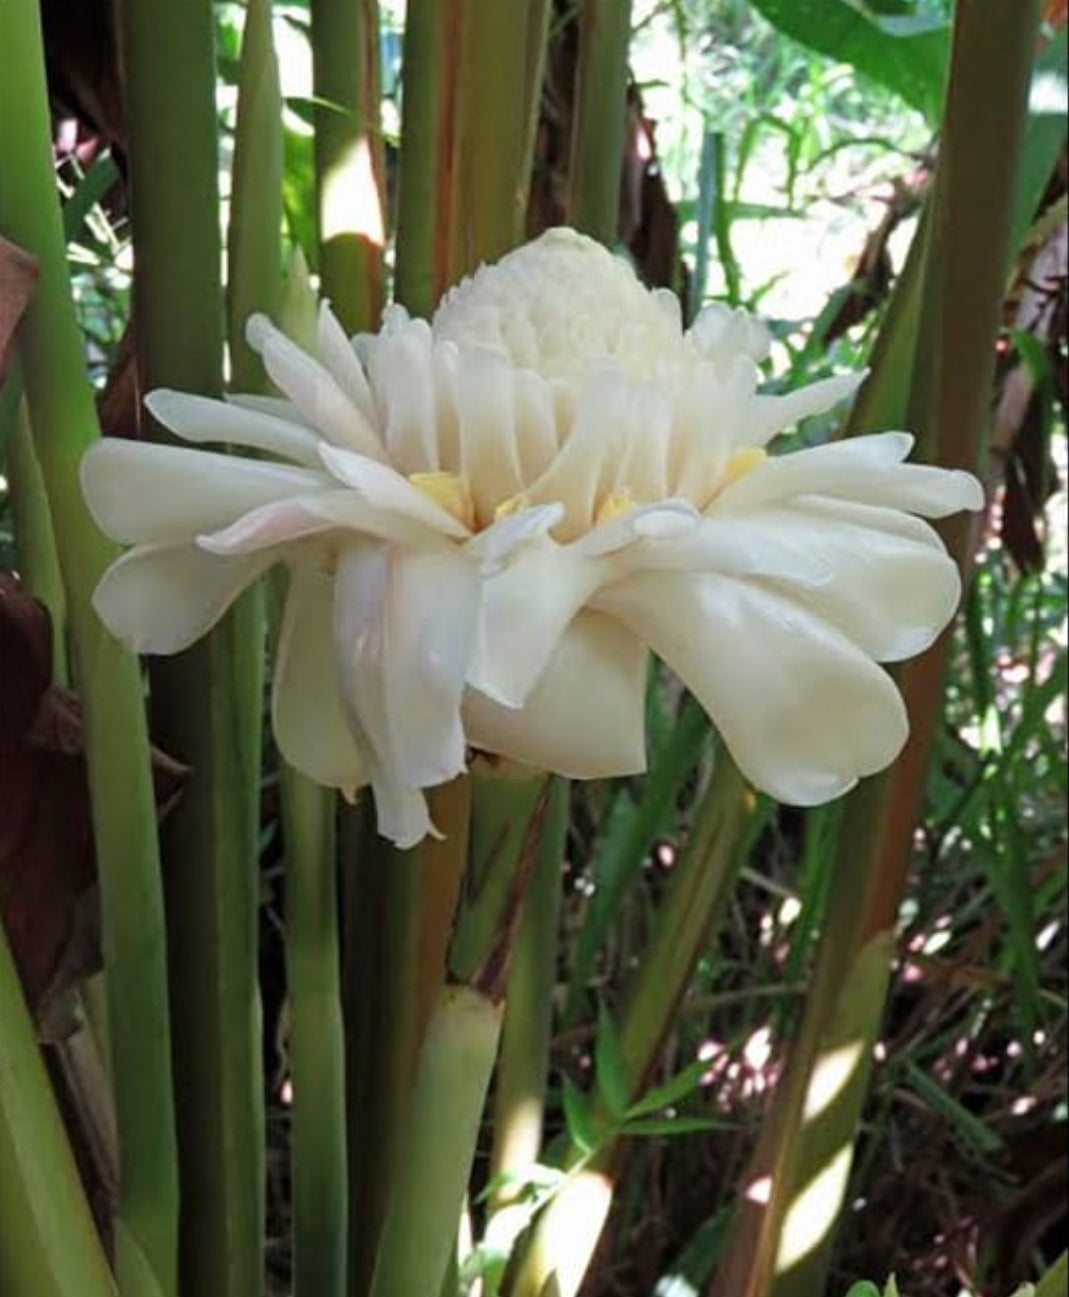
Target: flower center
x=449, y=491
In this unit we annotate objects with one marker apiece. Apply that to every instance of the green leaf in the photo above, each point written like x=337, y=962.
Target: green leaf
x=674, y=1089
x=864, y=1289
x=907, y=54
x=972, y=1131
x=577, y=1116
x=609, y=1063
x=674, y=1126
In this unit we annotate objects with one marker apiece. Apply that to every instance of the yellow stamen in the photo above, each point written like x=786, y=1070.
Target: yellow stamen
x=512, y=505
x=615, y=504
x=741, y=463
x=450, y=491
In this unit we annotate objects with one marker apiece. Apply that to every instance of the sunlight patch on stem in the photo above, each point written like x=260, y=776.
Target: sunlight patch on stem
x=813, y=1211
x=350, y=199
x=831, y=1076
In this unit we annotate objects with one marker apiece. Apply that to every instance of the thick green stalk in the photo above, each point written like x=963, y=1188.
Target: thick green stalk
x=423, y=201
x=254, y=242
x=202, y=704
x=316, y=1041
x=566, y=1235
x=494, y=95
x=124, y=818
x=35, y=539
x=348, y=156
x=438, y=1143
x=783, y=1248
x=48, y=1243
x=399, y=907
x=520, y=1085
x=600, y=118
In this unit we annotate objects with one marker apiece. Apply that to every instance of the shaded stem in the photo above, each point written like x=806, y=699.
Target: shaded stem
x=48, y=1243
x=206, y=702
x=348, y=158
x=124, y=818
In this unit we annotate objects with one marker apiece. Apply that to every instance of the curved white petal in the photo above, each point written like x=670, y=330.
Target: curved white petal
x=489, y=455
x=386, y=490
x=161, y=598
x=307, y=708
x=304, y=516
x=492, y=546
x=867, y=470
x=771, y=414
x=139, y=492
x=536, y=423
x=339, y=356
x=200, y=419
x=401, y=367
x=402, y=814
x=312, y=389
x=585, y=718
x=526, y=608
x=404, y=626
x=804, y=712
x=666, y=520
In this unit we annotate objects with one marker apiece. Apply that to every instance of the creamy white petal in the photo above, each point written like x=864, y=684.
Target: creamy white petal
x=710, y=418
x=401, y=814
x=161, y=598
x=802, y=709
x=305, y=516
x=200, y=419
x=586, y=716
x=866, y=470
x=489, y=455
x=307, y=708
x=404, y=626
x=891, y=595
x=402, y=374
x=278, y=407
x=138, y=491
x=526, y=608
x=492, y=546
x=536, y=424
x=386, y=490
x=769, y=415
x=312, y=389
x=339, y=356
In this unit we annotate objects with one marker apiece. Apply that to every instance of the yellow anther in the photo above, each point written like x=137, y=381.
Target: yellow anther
x=512, y=505
x=741, y=463
x=448, y=490
x=613, y=505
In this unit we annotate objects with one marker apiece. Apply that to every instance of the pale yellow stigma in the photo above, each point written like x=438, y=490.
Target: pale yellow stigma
x=613, y=505
x=450, y=491
x=741, y=463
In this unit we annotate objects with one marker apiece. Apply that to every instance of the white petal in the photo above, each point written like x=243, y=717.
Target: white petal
x=489, y=455
x=307, y=708
x=769, y=415
x=200, y=419
x=386, y=490
x=586, y=716
x=312, y=389
x=866, y=470
x=302, y=517
x=536, y=424
x=526, y=609
x=402, y=375
x=803, y=711
x=492, y=546
x=404, y=626
x=401, y=814
x=339, y=356
x=138, y=491
x=668, y=520
x=161, y=598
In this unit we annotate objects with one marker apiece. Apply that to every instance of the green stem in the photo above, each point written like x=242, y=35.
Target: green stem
x=783, y=1248
x=36, y=556
x=348, y=156
x=124, y=818
x=519, y=1088
x=567, y=1232
x=206, y=702
x=48, y=1243
x=597, y=153
x=438, y=1144
x=316, y=1041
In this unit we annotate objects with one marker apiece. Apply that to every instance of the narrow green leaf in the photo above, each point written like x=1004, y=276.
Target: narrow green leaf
x=610, y=1072
x=577, y=1116
x=673, y=1126
x=674, y=1089
x=970, y=1129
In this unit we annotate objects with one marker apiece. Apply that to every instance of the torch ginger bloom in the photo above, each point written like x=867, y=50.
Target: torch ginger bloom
x=490, y=520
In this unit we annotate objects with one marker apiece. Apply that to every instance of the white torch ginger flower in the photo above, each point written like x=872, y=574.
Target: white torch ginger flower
x=491, y=519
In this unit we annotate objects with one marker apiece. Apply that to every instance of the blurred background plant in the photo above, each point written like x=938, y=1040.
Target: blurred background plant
x=783, y=155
